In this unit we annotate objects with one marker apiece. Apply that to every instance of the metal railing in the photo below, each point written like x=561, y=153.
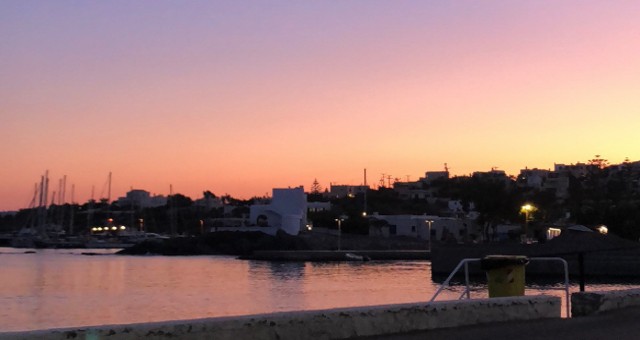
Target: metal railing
x=467, y=290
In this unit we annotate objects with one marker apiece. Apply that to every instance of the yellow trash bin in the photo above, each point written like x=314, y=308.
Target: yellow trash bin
x=505, y=274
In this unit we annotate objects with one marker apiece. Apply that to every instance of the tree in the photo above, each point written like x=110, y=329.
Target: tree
x=316, y=188
x=599, y=162
x=208, y=194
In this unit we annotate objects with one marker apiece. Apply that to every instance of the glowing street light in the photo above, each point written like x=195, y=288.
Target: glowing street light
x=340, y=220
x=429, y=224
x=527, y=209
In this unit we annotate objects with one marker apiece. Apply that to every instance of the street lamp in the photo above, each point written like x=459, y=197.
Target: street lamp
x=339, y=220
x=429, y=223
x=527, y=209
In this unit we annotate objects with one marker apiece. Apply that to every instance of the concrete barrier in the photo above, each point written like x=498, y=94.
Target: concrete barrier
x=340, y=323
x=591, y=303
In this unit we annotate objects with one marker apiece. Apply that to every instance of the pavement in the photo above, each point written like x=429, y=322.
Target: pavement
x=620, y=324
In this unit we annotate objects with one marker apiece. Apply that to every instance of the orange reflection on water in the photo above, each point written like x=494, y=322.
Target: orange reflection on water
x=56, y=288
x=61, y=288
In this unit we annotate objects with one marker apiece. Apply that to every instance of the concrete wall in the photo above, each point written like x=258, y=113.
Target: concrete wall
x=325, y=324
x=591, y=303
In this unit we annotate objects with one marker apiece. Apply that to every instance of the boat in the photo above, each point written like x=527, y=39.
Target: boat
x=356, y=257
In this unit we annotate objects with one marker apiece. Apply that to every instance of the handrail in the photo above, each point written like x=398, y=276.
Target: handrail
x=453, y=273
x=467, y=291
x=566, y=279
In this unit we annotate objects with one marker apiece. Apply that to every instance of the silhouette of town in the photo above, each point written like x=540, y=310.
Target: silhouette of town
x=482, y=206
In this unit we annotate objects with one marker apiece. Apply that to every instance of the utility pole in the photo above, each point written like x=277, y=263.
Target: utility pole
x=366, y=188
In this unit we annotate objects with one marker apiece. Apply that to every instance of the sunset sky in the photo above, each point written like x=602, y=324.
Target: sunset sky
x=239, y=97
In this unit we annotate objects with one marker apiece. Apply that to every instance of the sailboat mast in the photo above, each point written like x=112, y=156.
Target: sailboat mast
x=71, y=206
x=172, y=211
x=109, y=192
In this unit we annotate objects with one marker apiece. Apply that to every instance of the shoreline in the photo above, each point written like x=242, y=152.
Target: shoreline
x=337, y=255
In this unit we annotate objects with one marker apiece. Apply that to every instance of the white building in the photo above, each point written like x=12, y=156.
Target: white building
x=442, y=228
x=141, y=199
x=287, y=211
x=339, y=191
x=533, y=178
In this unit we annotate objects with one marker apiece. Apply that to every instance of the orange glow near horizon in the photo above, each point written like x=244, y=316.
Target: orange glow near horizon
x=240, y=99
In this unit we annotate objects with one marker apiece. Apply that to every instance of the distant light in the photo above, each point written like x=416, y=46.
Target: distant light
x=99, y=228
x=364, y=214
x=114, y=228
x=123, y=227
x=527, y=207
x=94, y=229
x=553, y=232
x=603, y=229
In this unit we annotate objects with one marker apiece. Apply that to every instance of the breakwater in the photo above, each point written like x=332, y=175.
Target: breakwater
x=340, y=323
x=592, y=254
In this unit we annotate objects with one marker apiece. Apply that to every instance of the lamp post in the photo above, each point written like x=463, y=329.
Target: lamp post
x=339, y=220
x=527, y=209
x=429, y=224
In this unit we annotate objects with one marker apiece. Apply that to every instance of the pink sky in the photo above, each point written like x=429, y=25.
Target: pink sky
x=239, y=97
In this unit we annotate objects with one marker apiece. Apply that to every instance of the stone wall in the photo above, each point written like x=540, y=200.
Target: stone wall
x=591, y=303
x=340, y=323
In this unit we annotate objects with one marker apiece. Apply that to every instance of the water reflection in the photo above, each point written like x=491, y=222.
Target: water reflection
x=279, y=270
x=52, y=289
x=278, y=285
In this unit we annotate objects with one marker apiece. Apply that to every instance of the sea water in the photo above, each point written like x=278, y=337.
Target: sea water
x=43, y=289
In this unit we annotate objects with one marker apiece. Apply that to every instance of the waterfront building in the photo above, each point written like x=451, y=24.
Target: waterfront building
x=446, y=229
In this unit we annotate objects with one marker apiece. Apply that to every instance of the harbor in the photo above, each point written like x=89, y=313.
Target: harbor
x=59, y=288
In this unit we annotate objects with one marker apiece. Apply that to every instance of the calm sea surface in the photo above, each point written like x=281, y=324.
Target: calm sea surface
x=63, y=288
